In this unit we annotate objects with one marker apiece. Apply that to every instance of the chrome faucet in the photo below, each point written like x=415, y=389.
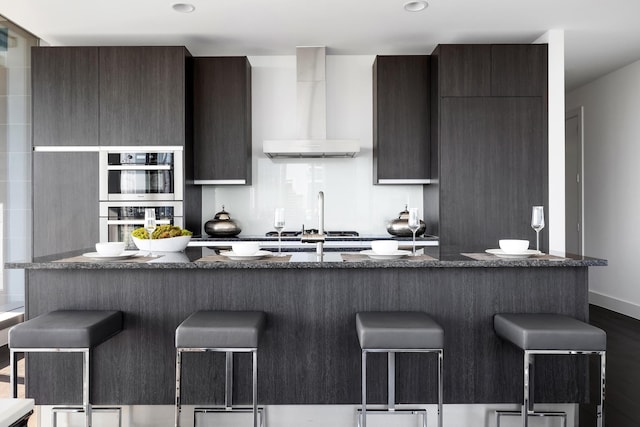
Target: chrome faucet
x=319, y=237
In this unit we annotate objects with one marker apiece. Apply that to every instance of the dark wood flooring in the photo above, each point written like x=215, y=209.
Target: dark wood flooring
x=622, y=393
x=622, y=407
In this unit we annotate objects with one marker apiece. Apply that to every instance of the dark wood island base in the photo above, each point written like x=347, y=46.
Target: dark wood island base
x=309, y=353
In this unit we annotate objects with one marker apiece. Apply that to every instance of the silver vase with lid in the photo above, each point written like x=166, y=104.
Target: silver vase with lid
x=400, y=226
x=222, y=225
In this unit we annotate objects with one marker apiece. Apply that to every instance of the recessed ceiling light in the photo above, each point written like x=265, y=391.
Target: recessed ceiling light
x=415, y=6
x=183, y=7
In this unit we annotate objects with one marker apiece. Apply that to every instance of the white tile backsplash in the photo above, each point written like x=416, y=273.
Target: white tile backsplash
x=352, y=202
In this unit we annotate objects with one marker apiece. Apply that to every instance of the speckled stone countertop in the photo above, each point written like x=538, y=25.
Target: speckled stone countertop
x=190, y=259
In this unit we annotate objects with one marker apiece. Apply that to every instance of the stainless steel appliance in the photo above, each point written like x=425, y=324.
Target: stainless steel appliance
x=119, y=219
x=133, y=179
x=127, y=173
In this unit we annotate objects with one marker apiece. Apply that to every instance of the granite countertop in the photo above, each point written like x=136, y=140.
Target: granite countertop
x=203, y=258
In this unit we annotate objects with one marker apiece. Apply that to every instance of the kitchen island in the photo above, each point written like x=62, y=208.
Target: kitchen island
x=309, y=353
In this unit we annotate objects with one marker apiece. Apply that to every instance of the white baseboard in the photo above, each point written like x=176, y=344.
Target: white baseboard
x=618, y=305
x=478, y=415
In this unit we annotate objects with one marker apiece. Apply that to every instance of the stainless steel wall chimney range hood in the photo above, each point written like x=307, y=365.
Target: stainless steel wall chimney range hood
x=311, y=114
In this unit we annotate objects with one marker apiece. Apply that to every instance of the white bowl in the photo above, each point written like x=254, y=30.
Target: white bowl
x=110, y=248
x=245, y=248
x=384, y=247
x=170, y=244
x=513, y=246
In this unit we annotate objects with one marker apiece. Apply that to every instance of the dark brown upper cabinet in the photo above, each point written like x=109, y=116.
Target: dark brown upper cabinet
x=65, y=96
x=222, y=120
x=143, y=95
x=519, y=70
x=401, y=132
x=465, y=70
x=491, y=70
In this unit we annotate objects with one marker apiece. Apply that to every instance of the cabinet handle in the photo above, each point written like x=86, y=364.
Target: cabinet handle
x=405, y=181
x=220, y=181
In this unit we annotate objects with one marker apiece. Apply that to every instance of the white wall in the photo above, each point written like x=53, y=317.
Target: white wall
x=352, y=202
x=611, y=199
x=554, y=213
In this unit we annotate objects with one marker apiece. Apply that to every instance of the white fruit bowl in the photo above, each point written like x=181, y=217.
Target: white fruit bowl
x=170, y=244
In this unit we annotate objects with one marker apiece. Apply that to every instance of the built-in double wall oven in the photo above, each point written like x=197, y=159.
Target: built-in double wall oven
x=133, y=179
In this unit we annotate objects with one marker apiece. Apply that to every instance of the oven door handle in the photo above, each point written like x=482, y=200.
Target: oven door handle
x=139, y=167
x=135, y=222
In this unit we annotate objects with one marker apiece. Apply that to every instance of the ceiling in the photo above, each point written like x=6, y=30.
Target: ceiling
x=599, y=36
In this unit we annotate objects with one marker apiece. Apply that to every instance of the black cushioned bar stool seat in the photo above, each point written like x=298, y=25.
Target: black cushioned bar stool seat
x=393, y=332
x=65, y=331
x=550, y=334
x=220, y=331
x=401, y=330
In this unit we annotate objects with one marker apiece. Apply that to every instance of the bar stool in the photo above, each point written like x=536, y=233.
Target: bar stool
x=550, y=334
x=72, y=331
x=226, y=332
x=398, y=332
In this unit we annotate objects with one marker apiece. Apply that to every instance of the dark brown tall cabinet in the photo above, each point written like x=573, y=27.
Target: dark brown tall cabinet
x=85, y=97
x=143, y=95
x=222, y=120
x=401, y=146
x=65, y=202
x=489, y=131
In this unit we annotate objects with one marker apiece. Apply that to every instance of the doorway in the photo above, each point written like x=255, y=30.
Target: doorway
x=574, y=216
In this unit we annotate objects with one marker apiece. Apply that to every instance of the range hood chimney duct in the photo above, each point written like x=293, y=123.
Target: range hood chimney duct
x=311, y=113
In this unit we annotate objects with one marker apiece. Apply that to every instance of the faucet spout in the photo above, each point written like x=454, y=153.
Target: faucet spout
x=321, y=213
x=320, y=244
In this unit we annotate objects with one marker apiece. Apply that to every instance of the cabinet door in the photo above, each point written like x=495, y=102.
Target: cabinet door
x=65, y=202
x=65, y=95
x=463, y=70
x=222, y=120
x=493, y=170
x=519, y=70
x=142, y=95
x=401, y=134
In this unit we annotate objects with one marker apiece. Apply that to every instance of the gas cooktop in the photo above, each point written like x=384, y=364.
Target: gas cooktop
x=298, y=233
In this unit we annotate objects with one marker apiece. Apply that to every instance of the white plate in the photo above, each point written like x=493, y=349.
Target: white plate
x=97, y=256
x=501, y=254
x=397, y=254
x=236, y=257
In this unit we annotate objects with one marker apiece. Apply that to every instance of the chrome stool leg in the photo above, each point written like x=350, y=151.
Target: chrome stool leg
x=363, y=420
x=528, y=402
x=255, y=390
x=257, y=412
x=13, y=376
x=85, y=388
x=600, y=408
x=228, y=380
x=440, y=389
x=178, y=402
x=391, y=408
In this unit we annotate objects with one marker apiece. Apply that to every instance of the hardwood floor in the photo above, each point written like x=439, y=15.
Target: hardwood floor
x=623, y=371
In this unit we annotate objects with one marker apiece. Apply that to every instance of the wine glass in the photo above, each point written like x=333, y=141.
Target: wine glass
x=278, y=224
x=537, y=222
x=414, y=224
x=150, y=223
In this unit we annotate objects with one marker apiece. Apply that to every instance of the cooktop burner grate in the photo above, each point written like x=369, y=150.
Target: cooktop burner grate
x=312, y=231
